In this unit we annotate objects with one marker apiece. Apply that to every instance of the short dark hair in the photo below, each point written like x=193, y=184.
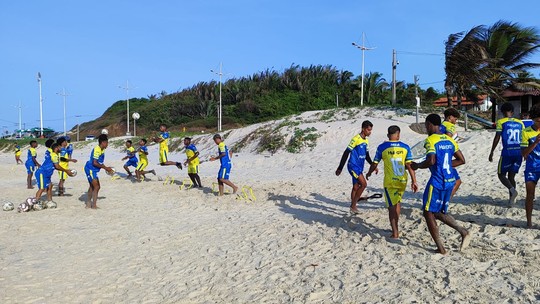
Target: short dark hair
x=49, y=142
x=434, y=119
x=187, y=138
x=129, y=141
x=60, y=140
x=507, y=107
x=32, y=141
x=451, y=112
x=393, y=130
x=54, y=146
x=143, y=140
x=103, y=137
x=535, y=111
x=163, y=125
x=216, y=136
x=366, y=124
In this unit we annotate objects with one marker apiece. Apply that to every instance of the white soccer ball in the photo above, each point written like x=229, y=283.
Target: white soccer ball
x=24, y=207
x=136, y=115
x=31, y=201
x=74, y=172
x=105, y=131
x=112, y=172
x=38, y=206
x=51, y=205
x=8, y=206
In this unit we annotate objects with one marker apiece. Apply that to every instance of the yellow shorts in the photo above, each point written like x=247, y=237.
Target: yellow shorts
x=62, y=175
x=392, y=196
x=163, y=156
x=193, y=168
x=142, y=165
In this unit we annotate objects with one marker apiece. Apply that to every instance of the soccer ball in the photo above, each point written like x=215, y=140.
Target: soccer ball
x=8, y=206
x=38, y=206
x=31, y=200
x=105, y=131
x=113, y=171
x=136, y=115
x=74, y=172
x=24, y=207
x=50, y=205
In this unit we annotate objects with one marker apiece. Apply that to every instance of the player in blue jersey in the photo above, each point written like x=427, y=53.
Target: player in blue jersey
x=225, y=167
x=448, y=127
x=359, y=153
x=440, y=151
x=509, y=129
x=397, y=161
x=45, y=172
x=530, y=150
x=31, y=163
x=69, y=148
x=65, y=159
x=91, y=169
x=131, y=157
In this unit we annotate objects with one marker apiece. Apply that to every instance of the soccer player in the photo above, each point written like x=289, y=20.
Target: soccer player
x=131, y=157
x=192, y=162
x=530, y=150
x=225, y=168
x=69, y=148
x=18, y=155
x=91, y=169
x=448, y=127
x=31, y=163
x=163, y=141
x=509, y=129
x=143, y=161
x=64, y=163
x=440, y=149
x=45, y=172
x=358, y=150
x=397, y=157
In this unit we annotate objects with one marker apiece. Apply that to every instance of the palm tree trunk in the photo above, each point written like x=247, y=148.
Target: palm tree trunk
x=493, y=109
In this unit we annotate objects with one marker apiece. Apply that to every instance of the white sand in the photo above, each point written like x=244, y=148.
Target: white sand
x=155, y=243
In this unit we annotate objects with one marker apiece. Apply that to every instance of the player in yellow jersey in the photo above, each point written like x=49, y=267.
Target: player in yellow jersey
x=64, y=163
x=18, y=155
x=448, y=127
x=163, y=140
x=397, y=157
x=131, y=157
x=192, y=162
x=143, y=161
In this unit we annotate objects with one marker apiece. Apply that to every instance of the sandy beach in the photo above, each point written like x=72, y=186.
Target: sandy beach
x=296, y=243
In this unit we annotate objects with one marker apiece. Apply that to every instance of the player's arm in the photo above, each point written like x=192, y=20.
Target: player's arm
x=414, y=185
x=496, y=140
x=96, y=164
x=372, y=167
x=526, y=150
x=34, y=159
x=428, y=162
x=344, y=158
x=458, y=160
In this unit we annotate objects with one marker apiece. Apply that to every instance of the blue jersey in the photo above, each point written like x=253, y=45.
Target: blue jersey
x=47, y=167
x=358, y=148
x=533, y=159
x=31, y=153
x=223, y=150
x=444, y=147
x=69, y=150
x=96, y=154
x=510, y=130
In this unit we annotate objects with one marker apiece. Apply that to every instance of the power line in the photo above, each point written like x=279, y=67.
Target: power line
x=434, y=82
x=419, y=53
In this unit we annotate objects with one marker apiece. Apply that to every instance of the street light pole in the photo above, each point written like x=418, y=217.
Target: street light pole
x=394, y=67
x=127, y=101
x=40, y=106
x=63, y=94
x=362, y=48
x=219, y=109
x=78, y=124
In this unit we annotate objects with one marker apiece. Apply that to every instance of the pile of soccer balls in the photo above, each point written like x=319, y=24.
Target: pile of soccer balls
x=29, y=204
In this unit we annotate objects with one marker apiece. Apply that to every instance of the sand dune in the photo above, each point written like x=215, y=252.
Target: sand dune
x=155, y=243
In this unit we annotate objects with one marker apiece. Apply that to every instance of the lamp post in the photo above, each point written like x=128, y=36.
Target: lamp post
x=135, y=116
x=219, y=109
x=127, y=88
x=362, y=48
x=78, y=124
x=63, y=94
x=19, y=108
x=40, y=106
x=395, y=62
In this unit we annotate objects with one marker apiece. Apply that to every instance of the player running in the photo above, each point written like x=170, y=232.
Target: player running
x=192, y=162
x=131, y=157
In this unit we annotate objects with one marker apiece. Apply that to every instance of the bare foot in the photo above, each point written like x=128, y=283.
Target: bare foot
x=465, y=241
x=354, y=211
x=30, y=187
x=443, y=251
x=234, y=190
x=394, y=236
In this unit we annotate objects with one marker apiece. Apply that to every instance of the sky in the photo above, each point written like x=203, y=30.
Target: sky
x=92, y=48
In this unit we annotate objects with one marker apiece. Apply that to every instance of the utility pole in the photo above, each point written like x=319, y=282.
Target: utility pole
x=337, y=100
x=363, y=48
x=394, y=66
x=220, y=74
x=127, y=88
x=78, y=124
x=40, y=106
x=417, y=97
x=63, y=94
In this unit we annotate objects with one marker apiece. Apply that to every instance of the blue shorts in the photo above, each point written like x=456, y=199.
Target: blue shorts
x=224, y=173
x=532, y=177
x=30, y=167
x=43, y=180
x=436, y=200
x=456, y=174
x=131, y=162
x=509, y=164
x=91, y=174
x=355, y=172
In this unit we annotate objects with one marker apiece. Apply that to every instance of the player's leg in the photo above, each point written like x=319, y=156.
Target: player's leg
x=530, y=186
x=49, y=188
x=29, y=181
x=192, y=178
x=434, y=231
x=433, y=203
x=96, y=186
x=458, y=183
x=393, y=203
x=198, y=179
x=450, y=221
x=127, y=170
x=361, y=186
